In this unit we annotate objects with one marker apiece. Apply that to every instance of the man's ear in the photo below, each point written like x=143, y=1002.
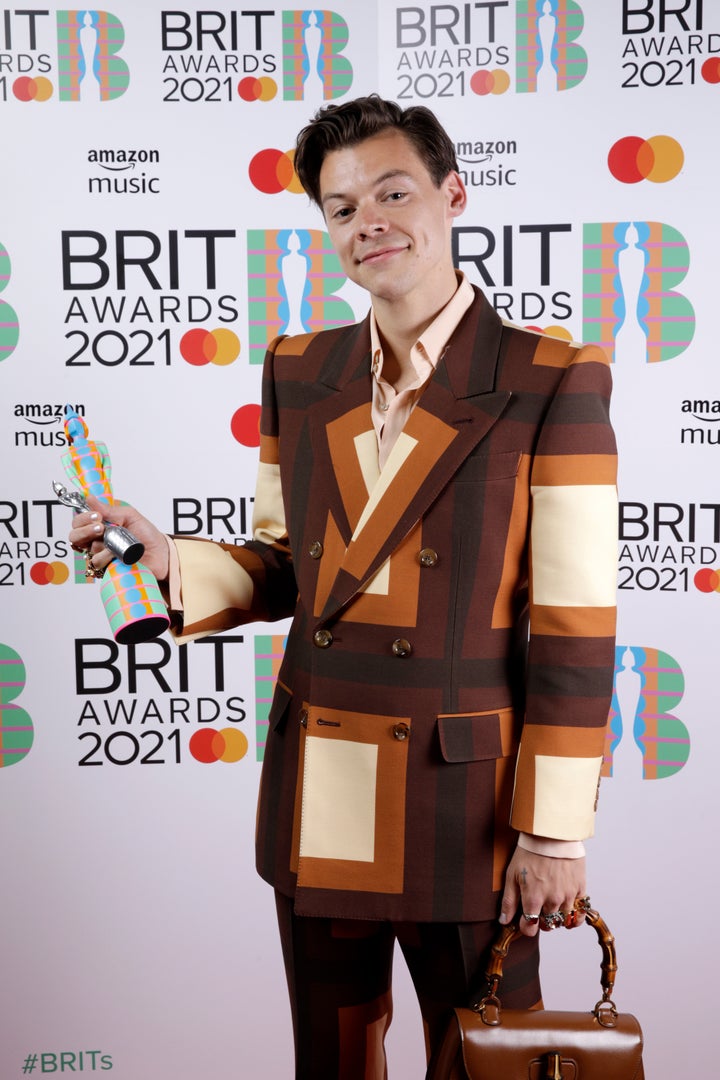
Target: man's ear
x=457, y=193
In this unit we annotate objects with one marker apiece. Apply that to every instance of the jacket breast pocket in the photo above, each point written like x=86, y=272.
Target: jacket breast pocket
x=481, y=736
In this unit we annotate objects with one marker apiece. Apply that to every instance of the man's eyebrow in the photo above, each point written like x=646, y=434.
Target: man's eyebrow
x=389, y=175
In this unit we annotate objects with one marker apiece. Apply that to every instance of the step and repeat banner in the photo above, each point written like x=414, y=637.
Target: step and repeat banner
x=153, y=238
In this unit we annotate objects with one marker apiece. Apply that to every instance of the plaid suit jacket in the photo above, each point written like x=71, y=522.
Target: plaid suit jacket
x=448, y=671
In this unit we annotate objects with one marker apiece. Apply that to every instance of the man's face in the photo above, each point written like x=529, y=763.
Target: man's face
x=388, y=222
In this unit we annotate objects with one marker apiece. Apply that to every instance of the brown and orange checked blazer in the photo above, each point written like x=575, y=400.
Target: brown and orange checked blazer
x=416, y=724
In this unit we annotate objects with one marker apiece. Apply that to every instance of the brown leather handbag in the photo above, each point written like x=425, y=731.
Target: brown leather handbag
x=487, y=1042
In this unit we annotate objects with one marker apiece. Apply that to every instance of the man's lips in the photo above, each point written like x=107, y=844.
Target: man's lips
x=381, y=253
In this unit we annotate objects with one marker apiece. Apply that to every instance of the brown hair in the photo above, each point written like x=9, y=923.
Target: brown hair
x=337, y=126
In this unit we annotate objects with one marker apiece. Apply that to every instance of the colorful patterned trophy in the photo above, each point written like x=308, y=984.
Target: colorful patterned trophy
x=130, y=594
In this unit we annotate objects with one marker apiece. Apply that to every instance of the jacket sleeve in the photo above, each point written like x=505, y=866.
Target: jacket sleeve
x=573, y=580
x=226, y=585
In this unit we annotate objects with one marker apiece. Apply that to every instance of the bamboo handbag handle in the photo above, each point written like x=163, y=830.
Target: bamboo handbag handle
x=604, y=1010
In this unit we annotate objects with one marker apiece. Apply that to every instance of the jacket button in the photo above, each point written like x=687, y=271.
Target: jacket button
x=428, y=557
x=401, y=647
x=315, y=550
x=322, y=639
x=303, y=717
x=401, y=732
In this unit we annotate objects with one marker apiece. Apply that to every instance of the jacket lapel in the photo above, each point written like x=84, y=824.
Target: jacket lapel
x=375, y=511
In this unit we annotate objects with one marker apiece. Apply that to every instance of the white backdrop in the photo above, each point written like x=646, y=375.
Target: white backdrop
x=151, y=241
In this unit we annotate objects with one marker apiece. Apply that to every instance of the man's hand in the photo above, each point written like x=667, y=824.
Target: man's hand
x=87, y=530
x=539, y=885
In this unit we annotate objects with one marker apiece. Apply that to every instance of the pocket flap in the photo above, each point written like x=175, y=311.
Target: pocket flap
x=470, y=736
x=483, y=467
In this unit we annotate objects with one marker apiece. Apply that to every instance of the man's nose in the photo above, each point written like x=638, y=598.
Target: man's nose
x=370, y=221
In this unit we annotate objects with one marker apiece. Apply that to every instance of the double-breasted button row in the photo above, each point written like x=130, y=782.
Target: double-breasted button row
x=428, y=557
x=323, y=639
x=401, y=647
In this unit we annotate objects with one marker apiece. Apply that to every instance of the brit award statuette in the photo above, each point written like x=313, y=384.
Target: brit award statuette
x=130, y=594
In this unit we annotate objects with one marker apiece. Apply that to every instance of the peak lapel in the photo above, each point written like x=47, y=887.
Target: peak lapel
x=455, y=412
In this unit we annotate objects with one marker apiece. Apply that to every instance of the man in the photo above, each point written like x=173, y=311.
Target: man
x=428, y=479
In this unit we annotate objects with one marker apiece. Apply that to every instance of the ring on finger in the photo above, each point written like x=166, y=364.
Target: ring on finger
x=91, y=570
x=532, y=919
x=553, y=919
x=80, y=551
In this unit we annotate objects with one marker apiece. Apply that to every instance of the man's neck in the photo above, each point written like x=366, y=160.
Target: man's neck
x=400, y=324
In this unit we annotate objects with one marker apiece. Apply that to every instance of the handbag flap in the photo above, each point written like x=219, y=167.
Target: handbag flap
x=519, y=1048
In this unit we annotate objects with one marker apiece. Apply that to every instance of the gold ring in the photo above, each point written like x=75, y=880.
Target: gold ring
x=91, y=570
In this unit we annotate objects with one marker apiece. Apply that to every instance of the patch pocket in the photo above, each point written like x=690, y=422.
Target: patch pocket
x=352, y=829
x=482, y=736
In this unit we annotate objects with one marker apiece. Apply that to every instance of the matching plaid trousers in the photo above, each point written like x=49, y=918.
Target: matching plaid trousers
x=339, y=974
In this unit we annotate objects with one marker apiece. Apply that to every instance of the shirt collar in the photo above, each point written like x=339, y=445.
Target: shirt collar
x=434, y=337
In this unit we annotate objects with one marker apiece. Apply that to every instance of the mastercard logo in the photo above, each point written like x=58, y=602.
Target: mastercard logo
x=209, y=745
x=252, y=89
x=272, y=171
x=490, y=82
x=200, y=347
x=245, y=425
x=658, y=159
x=710, y=70
x=707, y=580
x=45, y=573
x=27, y=89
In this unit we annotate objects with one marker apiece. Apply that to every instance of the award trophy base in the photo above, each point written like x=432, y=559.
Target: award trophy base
x=133, y=603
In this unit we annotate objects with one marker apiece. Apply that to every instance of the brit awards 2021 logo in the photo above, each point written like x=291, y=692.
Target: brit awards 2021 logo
x=671, y=44
x=71, y=53
x=549, y=56
x=269, y=652
x=631, y=306
x=155, y=704
x=644, y=738
x=16, y=727
x=33, y=544
x=9, y=326
x=294, y=276
x=120, y=284
x=457, y=50
x=251, y=56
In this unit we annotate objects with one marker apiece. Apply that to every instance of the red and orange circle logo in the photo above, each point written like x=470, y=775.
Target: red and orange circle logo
x=658, y=159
